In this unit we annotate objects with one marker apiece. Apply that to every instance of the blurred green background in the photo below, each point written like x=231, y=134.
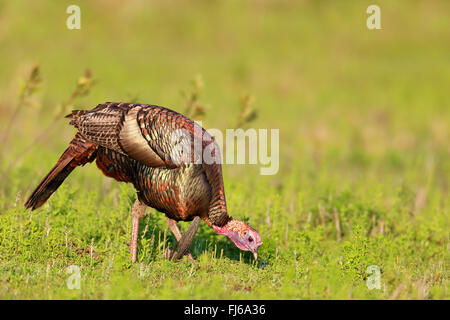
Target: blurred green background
x=364, y=128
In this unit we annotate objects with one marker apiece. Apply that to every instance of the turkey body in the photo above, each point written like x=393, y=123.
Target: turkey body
x=181, y=193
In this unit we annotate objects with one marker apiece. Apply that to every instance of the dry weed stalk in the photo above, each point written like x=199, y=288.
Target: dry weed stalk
x=194, y=109
x=338, y=225
x=29, y=87
x=248, y=112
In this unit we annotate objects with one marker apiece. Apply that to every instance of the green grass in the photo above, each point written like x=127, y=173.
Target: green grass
x=364, y=134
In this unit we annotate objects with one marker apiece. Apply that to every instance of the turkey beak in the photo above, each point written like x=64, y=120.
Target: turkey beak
x=255, y=253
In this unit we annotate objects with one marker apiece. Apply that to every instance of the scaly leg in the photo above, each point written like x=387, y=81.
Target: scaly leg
x=137, y=212
x=185, y=241
x=173, y=226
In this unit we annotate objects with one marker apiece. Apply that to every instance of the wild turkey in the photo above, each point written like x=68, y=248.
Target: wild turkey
x=153, y=148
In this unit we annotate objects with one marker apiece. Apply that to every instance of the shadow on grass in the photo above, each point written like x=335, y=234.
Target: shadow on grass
x=153, y=227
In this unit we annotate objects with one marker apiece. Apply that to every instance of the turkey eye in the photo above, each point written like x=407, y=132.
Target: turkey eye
x=250, y=239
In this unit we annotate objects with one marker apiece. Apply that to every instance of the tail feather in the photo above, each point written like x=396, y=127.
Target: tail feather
x=78, y=153
x=74, y=116
x=49, y=184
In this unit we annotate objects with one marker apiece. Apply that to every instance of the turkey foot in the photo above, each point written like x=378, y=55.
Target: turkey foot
x=185, y=241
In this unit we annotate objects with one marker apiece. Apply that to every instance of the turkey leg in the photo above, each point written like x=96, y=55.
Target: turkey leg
x=137, y=212
x=185, y=240
x=173, y=226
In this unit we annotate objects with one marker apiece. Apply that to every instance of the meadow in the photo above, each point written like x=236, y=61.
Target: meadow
x=364, y=153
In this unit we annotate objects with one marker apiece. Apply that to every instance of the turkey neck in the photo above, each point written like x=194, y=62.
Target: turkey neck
x=218, y=214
